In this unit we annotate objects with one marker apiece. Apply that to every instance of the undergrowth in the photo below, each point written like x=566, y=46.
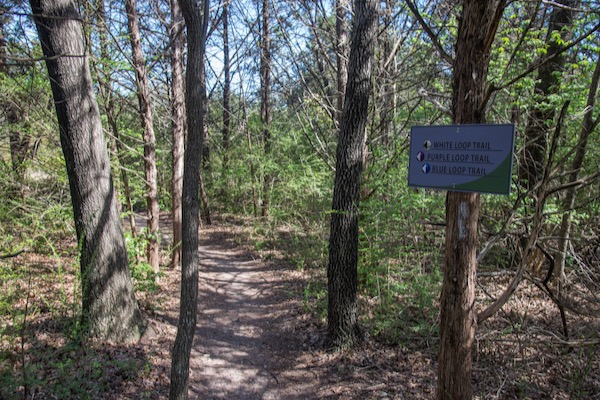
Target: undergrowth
x=42, y=351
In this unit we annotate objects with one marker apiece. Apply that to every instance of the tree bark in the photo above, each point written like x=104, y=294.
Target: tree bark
x=265, y=106
x=109, y=310
x=195, y=14
x=141, y=79
x=177, y=126
x=226, y=87
x=476, y=30
x=343, y=329
x=533, y=156
x=342, y=8
x=388, y=76
x=3, y=50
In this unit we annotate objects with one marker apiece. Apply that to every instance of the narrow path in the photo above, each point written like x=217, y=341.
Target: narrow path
x=246, y=344
x=253, y=339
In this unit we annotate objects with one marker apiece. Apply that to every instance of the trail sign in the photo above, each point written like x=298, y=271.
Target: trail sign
x=465, y=158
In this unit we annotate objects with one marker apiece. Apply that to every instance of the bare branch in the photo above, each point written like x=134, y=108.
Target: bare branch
x=429, y=32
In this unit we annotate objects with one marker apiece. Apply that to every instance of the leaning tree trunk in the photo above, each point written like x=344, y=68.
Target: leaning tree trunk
x=109, y=310
x=569, y=202
x=177, y=126
x=196, y=19
x=141, y=78
x=476, y=30
x=342, y=281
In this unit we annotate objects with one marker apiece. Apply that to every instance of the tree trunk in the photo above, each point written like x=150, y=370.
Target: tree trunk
x=226, y=88
x=3, y=50
x=19, y=142
x=265, y=107
x=109, y=310
x=458, y=319
x=533, y=156
x=204, y=199
x=112, y=123
x=388, y=76
x=252, y=168
x=177, y=126
x=104, y=78
x=342, y=8
x=343, y=329
x=205, y=159
x=196, y=19
x=569, y=202
x=141, y=79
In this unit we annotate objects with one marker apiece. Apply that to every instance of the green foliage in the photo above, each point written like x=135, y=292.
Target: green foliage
x=70, y=372
x=144, y=277
x=400, y=253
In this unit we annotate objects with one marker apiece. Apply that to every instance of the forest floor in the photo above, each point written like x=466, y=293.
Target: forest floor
x=256, y=339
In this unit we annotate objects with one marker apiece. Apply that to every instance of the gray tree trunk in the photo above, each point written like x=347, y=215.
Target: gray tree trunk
x=110, y=311
x=342, y=9
x=343, y=329
x=177, y=125
x=195, y=14
x=141, y=78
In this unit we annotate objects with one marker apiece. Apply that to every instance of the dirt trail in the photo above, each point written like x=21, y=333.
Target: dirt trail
x=245, y=344
x=250, y=340
x=254, y=340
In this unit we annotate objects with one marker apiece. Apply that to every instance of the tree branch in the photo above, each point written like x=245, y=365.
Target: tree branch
x=11, y=255
x=533, y=67
x=429, y=32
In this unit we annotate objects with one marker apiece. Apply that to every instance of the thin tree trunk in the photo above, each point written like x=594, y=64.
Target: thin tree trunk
x=458, y=320
x=196, y=19
x=141, y=78
x=204, y=199
x=226, y=88
x=109, y=309
x=250, y=160
x=104, y=77
x=177, y=125
x=342, y=279
x=541, y=195
x=3, y=50
x=265, y=106
x=205, y=160
x=569, y=202
x=388, y=76
x=342, y=9
x=112, y=123
x=19, y=142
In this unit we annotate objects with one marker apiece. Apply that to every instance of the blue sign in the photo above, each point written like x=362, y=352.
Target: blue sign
x=466, y=158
